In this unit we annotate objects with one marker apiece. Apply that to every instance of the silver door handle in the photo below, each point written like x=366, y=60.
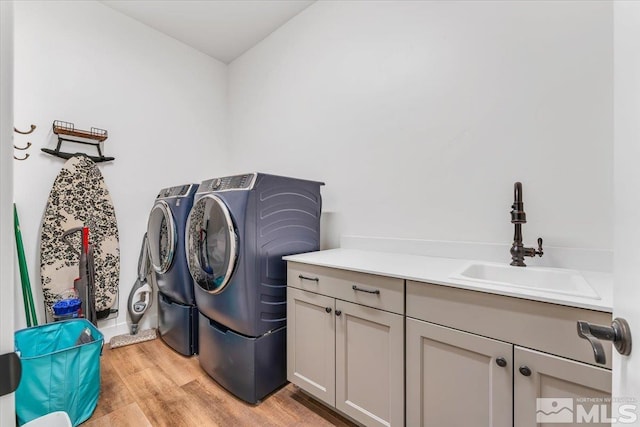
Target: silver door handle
x=618, y=333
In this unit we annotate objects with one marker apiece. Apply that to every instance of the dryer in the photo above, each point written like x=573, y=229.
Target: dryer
x=238, y=230
x=177, y=314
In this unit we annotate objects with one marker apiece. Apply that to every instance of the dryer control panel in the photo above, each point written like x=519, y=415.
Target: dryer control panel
x=178, y=191
x=236, y=182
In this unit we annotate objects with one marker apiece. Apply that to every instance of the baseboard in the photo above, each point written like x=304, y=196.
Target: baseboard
x=111, y=328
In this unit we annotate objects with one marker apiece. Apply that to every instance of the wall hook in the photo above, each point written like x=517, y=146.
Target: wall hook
x=26, y=156
x=33, y=127
x=22, y=148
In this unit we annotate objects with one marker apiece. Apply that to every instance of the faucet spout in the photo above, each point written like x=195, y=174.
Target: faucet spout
x=517, y=192
x=518, y=216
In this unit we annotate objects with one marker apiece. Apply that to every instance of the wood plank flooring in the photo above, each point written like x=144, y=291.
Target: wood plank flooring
x=149, y=384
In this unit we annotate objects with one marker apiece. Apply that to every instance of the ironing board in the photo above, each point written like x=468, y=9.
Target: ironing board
x=79, y=197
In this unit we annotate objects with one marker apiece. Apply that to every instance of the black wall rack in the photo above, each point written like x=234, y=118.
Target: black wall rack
x=67, y=132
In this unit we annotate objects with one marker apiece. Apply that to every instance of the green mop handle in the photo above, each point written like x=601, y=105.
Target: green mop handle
x=27, y=297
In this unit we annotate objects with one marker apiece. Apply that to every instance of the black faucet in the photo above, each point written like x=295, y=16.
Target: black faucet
x=518, y=217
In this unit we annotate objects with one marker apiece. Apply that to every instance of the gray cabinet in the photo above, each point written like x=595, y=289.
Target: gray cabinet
x=570, y=392
x=457, y=379
x=311, y=343
x=345, y=346
x=460, y=359
x=455, y=339
x=369, y=365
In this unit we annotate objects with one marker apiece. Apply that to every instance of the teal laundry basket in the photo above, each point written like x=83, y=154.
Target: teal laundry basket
x=58, y=372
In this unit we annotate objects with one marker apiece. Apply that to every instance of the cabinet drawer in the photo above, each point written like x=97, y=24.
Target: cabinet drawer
x=384, y=293
x=550, y=328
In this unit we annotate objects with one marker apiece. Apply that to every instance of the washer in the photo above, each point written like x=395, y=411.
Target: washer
x=238, y=230
x=177, y=314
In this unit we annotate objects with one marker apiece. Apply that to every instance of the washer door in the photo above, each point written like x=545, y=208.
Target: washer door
x=162, y=235
x=211, y=244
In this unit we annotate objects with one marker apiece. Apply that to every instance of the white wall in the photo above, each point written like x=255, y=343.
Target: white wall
x=163, y=103
x=419, y=116
x=626, y=369
x=7, y=257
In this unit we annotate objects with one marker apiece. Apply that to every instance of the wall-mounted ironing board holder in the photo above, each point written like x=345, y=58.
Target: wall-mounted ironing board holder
x=68, y=133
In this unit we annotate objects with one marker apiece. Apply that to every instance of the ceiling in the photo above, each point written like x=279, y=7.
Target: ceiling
x=223, y=29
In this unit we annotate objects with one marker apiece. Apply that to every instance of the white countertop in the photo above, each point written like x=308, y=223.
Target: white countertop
x=439, y=271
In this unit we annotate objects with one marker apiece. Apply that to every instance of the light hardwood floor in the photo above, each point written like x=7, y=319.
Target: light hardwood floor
x=149, y=384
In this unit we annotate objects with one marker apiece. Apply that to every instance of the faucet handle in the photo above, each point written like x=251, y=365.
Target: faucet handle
x=539, y=252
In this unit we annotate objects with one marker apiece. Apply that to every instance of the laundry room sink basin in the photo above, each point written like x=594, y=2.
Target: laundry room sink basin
x=557, y=281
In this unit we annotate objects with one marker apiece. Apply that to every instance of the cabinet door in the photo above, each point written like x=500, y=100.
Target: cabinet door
x=559, y=391
x=369, y=364
x=453, y=378
x=311, y=343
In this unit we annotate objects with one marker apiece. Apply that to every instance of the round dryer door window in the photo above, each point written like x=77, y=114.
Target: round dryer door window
x=211, y=244
x=161, y=232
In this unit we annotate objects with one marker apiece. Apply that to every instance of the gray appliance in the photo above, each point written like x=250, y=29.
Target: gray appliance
x=177, y=314
x=238, y=230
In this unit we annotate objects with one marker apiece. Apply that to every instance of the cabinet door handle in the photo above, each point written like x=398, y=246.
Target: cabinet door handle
x=313, y=279
x=524, y=370
x=327, y=309
x=338, y=312
x=501, y=361
x=369, y=291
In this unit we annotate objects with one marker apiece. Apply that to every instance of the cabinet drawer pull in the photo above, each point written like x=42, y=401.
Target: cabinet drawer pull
x=369, y=291
x=327, y=309
x=501, y=361
x=338, y=312
x=313, y=279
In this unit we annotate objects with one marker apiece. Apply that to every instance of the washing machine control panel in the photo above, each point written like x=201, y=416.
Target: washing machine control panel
x=236, y=182
x=178, y=191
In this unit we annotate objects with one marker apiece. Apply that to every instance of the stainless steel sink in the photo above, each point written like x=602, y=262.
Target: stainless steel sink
x=557, y=281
